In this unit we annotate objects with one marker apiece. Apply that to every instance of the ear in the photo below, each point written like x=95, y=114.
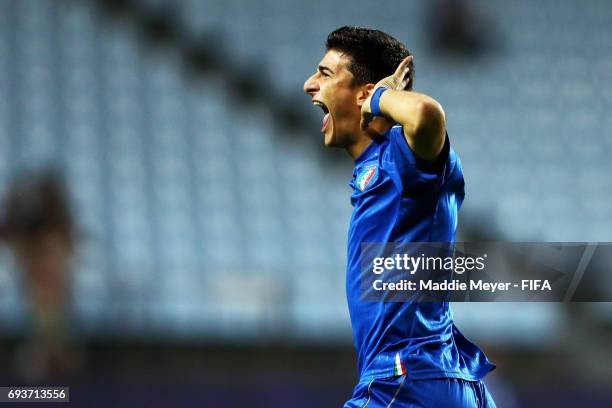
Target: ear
x=364, y=93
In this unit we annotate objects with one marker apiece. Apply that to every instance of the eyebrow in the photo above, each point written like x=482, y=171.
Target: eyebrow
x=324, y=68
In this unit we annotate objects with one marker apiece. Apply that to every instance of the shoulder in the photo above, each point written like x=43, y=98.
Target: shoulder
x=400, y=151
x=414, y=171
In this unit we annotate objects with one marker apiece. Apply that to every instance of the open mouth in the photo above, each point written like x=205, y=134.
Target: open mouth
x=326, y=117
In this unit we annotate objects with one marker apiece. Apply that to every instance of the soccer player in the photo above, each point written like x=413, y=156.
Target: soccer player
x=407, y=187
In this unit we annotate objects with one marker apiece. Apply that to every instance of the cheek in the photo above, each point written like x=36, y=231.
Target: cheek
x=345, y=105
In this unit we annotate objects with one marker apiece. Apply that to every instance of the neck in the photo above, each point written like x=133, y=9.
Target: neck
x=378, y=127
x=361, y=143
x=356, y=149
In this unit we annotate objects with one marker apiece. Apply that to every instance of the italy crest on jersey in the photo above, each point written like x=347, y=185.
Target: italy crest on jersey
x=366, y=176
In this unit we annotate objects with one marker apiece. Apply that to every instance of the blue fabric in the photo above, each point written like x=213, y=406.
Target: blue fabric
x=398, y=197
x=375, y=101
x=401, y=392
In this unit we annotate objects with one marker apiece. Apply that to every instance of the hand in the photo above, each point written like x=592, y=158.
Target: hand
x=398, y=81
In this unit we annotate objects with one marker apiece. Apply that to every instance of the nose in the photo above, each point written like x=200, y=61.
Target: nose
x=311, y=86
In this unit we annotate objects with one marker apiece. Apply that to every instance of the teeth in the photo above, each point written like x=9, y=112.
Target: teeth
x=321, y=105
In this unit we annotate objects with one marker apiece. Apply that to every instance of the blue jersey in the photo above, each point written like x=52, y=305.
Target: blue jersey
x=398, y=197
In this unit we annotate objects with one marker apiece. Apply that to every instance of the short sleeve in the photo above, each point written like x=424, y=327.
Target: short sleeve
x=412, y=168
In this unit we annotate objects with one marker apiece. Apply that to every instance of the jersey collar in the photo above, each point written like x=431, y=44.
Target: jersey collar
x=371, y=151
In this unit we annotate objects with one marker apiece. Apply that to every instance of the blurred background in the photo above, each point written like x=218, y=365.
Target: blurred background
x=174, y=233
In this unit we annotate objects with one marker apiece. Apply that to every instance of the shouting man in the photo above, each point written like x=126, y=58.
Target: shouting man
x=407, y=187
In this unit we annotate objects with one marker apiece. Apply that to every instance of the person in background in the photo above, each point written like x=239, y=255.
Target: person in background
x=38, y=228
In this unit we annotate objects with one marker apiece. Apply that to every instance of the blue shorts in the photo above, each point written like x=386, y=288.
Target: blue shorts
x=398, y=392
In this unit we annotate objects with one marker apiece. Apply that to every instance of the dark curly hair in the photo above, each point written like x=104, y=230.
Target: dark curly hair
x=375, y=54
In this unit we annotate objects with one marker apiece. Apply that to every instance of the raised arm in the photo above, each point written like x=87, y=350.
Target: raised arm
x=422, y=118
